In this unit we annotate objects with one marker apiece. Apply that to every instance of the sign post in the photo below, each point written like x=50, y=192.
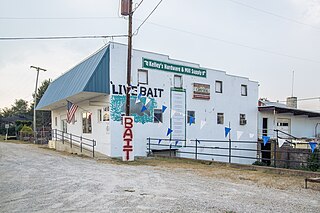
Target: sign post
x=7, y=127
x=128, y=152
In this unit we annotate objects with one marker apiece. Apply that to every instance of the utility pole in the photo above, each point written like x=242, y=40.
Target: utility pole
x=130, y=13
x=35, y=102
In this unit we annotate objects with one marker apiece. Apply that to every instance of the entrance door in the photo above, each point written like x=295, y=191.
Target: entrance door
x=264, y=126
x=178, y=114
x=284, y=125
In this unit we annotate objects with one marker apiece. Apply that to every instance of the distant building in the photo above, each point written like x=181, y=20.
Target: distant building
x=287, y=118
x=200, y=102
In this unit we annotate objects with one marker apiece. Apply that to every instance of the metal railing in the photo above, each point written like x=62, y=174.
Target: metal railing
x=230, y=151
x=74, y=140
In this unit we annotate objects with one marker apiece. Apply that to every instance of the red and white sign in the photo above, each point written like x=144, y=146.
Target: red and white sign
x=201, y=91
x=128, y=153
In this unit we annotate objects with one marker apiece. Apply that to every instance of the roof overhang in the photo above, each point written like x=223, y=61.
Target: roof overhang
x=295, y=112
x=74, y=99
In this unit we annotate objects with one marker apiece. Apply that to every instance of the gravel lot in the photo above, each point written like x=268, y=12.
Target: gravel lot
x=34, y=179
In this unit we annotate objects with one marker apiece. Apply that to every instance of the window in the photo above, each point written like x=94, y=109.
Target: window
x=282, y=124
x=64, y=125
x=56, y=121
x=106, y=116
x=220, y=118
x=243, y=120
x=157, y=117
x=142, y=76
x=244, y=90
x=99, y=115
x=191, y=117
x=177, y=81
x=218, y=86
x=86, y=122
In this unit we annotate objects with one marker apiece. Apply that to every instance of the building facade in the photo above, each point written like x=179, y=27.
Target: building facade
x=193, y=102
x=287, y=118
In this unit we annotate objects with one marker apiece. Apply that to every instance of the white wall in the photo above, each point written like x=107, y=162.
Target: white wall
x=100, y=131
x=230, y=102
x=301, y=126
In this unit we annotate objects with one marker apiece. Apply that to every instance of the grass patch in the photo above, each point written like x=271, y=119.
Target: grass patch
x=3, y=140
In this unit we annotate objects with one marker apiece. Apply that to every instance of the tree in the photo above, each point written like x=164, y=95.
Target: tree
x=41, y=90
x=6, y=112
x=43, y=117
x=20, y=107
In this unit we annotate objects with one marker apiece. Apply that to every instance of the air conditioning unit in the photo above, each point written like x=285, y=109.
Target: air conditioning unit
x=243, y=122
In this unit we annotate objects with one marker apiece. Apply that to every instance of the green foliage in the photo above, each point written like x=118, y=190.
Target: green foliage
x=41, y=90
x=27, y=123
x=20, y=107
x=313, y=161
x=27, y=130
x=259, y=163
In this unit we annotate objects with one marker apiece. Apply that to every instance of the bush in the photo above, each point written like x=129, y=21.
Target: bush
x=258, y=163
x=27, y=130
x=313, y=161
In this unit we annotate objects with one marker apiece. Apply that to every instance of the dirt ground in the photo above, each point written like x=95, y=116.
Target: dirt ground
x=36, y=179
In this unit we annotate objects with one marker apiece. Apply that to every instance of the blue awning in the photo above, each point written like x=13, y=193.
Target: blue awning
x=89, y=77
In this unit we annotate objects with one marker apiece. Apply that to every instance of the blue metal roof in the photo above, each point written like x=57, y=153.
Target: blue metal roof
x=91, y=75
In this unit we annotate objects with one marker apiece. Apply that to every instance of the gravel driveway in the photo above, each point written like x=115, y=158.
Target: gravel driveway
x=39, y=180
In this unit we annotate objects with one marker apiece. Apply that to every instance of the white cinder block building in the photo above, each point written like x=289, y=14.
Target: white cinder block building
x=288, y=119
x=97, y=85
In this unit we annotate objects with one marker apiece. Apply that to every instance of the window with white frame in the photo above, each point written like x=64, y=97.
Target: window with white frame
x=244, y=90
x=56, y=121
x=157, y=118
x=142, y=76
x=99, y=115
x=218, y=86
x=86, y=122
x=177, y=81
x=220, y=118
x=243, y=120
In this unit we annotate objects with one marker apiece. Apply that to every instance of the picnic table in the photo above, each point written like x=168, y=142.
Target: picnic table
x=315, y=180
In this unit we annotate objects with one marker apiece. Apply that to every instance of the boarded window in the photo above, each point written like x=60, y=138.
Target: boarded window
x=177, y=81
x=142, y=76
x=218, y=86
x=244, y=90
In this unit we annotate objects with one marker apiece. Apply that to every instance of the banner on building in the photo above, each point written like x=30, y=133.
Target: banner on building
x=164, y=66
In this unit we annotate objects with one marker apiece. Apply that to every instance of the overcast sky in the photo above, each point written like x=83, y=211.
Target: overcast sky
x=264, y=40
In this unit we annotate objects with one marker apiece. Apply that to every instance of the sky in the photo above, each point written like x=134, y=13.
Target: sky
x=263, y=40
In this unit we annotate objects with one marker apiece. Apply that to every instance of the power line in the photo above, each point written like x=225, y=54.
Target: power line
x=58, y=18
x=137, y=30
x=137, y=6
x=235, y=43
x=274, y=14
x=62, y=37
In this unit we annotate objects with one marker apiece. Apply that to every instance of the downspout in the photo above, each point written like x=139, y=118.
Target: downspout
x=315, y=130
x=274, y=120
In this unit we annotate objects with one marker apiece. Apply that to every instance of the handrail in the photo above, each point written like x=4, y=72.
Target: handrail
x=74, y=140
x=229, y=150
x=285, y=133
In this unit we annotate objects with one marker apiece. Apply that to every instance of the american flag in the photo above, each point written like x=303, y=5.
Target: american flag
x=71, y=109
